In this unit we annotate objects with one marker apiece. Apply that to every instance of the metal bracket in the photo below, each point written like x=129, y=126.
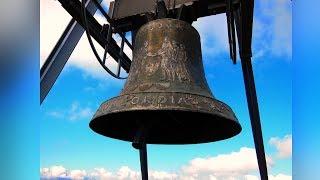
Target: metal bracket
x=161, y=9
x=231, y=31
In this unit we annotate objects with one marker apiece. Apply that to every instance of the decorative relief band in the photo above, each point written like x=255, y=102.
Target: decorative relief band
x=163, y=101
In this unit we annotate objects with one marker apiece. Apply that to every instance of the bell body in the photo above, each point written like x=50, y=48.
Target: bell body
x=166, y=94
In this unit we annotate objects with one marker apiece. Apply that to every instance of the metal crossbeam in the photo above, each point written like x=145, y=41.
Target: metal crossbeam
x=74, y=9
x=60, y=54
x=109, y=19
x=130, y=15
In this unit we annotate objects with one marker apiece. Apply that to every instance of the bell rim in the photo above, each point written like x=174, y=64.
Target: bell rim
x=211, y=98
x=236, y=125
x=216, y=117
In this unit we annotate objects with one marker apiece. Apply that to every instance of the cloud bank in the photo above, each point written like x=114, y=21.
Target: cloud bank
x=239, y=165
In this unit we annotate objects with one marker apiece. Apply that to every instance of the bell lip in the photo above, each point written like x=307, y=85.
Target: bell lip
x=225, y=120
x=234, y=123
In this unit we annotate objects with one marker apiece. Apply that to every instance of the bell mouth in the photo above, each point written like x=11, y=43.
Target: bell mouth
x=168, y=123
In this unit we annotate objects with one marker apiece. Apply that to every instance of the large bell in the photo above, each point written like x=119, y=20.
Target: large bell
x=166, y=94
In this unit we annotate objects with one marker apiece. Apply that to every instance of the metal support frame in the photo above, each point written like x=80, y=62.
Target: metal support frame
x=254, y=115
x=238, y=11
x=244, y=22
x=60, y=54
x=74, y=9
x=139, y=143
x=144, y=161
x=231, y=31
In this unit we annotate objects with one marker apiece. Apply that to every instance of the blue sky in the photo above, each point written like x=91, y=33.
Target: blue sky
x=69, y=148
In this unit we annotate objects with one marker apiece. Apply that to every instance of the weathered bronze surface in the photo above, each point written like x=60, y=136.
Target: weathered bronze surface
x=166, y=93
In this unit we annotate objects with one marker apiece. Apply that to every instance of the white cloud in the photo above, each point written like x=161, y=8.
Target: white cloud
x=272, y=31
x=77, y=112
x=73, y=113
x=240, y=165
x=162, y=175
x=58, y=171
x=280, y=177
x=283, y=146
x=77, y=174
x=126, y=173
x=54, y=171
x=53, y=21
x=225, y=165
x=56, y=114
x=213, y=33
x=251, y=177
x=100, y=173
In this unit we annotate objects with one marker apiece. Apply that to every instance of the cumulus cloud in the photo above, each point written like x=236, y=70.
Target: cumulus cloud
x=280, y=12
x=283, y=146
x=125, y=173
x=272, y=29
x=240, y=165
x=163, y=175
x=225, y=166
x=214, y=35
x=77, y=174
x=280, y=177
x=100, y=173
x=54, y=171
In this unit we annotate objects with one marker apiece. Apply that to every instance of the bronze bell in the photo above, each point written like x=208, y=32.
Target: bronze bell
x=166, y=94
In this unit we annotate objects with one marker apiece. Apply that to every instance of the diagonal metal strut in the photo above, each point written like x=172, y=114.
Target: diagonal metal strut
x=254, y=116
x=60, y=54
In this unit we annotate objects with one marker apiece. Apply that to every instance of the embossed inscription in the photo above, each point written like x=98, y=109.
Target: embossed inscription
x=165, y=101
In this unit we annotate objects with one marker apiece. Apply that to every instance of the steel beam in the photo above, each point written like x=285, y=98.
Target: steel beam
x=244, y=22
x=60, y=54
x=73, y=7
x=144, y=161
x=254, y=116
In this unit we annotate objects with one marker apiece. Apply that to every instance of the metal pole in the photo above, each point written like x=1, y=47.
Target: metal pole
x=139, y=143
x=254, y=115
x=144, y=161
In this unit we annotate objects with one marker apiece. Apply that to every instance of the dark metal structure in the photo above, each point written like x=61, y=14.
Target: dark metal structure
x=129, y=16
